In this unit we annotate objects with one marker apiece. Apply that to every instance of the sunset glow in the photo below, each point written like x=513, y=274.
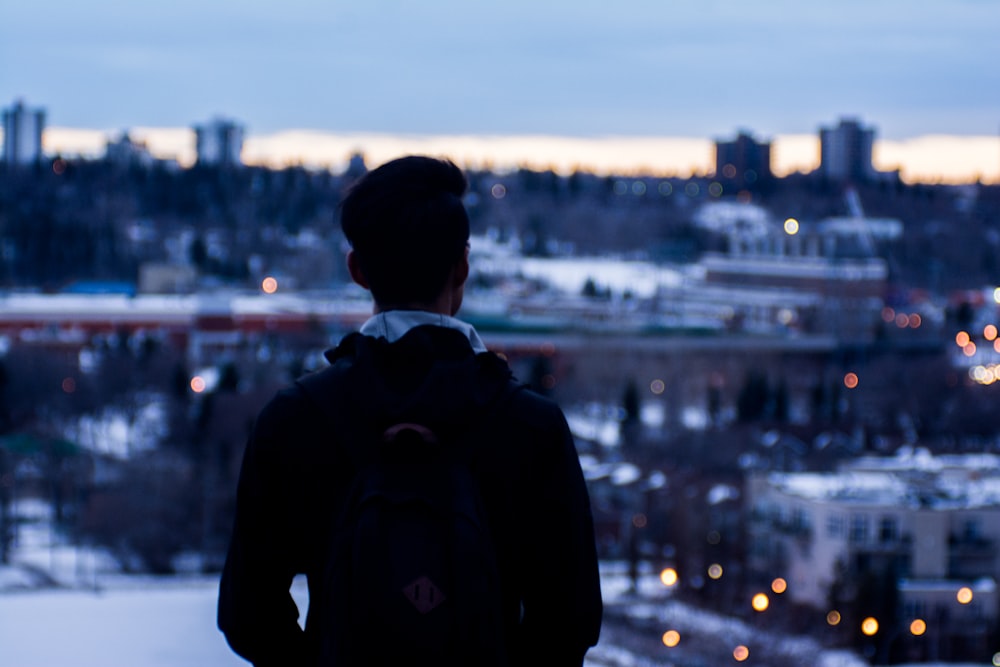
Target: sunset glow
x=944, y=159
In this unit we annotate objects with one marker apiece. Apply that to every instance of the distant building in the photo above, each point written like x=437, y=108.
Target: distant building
x=744, y=162
x=22, y=134
x=125, y=152
x=930, y=525
x=846, y=152
x=219, y=143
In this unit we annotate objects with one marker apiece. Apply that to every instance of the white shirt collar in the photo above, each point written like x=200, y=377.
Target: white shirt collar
x=393, y=325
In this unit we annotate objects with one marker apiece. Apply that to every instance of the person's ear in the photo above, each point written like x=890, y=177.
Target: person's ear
x=462, y=268
x=354, y=267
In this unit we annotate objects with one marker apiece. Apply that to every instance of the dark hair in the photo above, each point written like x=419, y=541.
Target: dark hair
x=408, y=228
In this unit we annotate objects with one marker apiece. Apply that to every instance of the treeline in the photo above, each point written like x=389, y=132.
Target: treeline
x=67, y=220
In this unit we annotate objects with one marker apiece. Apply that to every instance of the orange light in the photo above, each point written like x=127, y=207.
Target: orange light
x=888, y=315
x=269, y=285
x=779, y=585
x=990, y=332
x=969, y=350
x=668, y=576
x=869, y=626
x=741, y=653
x=714, y=571
x=760, y=602
x=197, y=384
x=671, y=638
x=833, y=617
x=918, y=627
x=915, y=321
x=902, y=320
x=964, y=595
x=851, y=380
x=962, y=338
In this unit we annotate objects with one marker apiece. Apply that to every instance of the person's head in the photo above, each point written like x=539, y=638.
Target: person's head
x=408, y=230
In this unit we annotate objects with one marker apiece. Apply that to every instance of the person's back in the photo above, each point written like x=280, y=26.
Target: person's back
x=412, y=365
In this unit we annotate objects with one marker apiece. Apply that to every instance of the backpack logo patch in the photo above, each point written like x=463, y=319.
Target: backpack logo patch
x=424, y=595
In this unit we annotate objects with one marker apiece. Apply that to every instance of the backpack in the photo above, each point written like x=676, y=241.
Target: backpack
x=411, y=576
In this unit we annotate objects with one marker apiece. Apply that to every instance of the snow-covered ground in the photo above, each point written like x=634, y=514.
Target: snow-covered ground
x=60, y=605
x=144, y=622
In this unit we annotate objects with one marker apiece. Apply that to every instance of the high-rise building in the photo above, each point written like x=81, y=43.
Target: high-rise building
x=219, y=143
x=743, y=162
x=846, y=152
x=22, y=134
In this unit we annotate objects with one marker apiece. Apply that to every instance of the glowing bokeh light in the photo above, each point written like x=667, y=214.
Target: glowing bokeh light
x=833, y=617
x=996, y=295
x=69, y=385
x=888, y=315
x=996, y=660
x=996, y=345
x=791, y=226
x=269, y=285
x=869, y=626
x=990, y=332
x=902, y=320
x=760, y=602
x=668, y=576
x=918, y=627
x=741, y=653
x=657, y=386
x=964, y=595
x=499, y=191
x=671, y=638
x=639, y=520
x=197, y=384
x=779, y=585
x=962, y=338
x=851, y=380
x=714, y=571
x=969, y=350
x=916, y=321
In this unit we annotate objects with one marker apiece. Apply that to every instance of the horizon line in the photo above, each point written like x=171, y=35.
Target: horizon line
x=936, y=158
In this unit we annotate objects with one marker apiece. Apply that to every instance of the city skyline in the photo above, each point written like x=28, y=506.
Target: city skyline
x=574, y=77
x=927, y=159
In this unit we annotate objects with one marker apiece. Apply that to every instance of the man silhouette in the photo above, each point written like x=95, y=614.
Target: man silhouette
x=412, y=362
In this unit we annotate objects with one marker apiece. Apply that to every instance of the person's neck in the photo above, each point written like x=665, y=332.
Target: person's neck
x=444, y=304
x=437, y=309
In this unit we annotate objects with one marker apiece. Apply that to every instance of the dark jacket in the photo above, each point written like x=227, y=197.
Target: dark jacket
x=296, y=472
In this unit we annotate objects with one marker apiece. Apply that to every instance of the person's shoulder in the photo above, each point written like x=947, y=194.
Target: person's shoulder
x=296, y=406
x=529, y=409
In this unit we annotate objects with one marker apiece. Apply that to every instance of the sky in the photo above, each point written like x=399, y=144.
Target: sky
x=542, y=78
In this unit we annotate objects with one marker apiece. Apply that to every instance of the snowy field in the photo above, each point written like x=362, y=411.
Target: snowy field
x=64, y=606
x=143, y=622
x=149, y=626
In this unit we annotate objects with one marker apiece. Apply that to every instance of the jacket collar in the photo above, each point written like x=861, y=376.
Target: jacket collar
x=394, y=324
